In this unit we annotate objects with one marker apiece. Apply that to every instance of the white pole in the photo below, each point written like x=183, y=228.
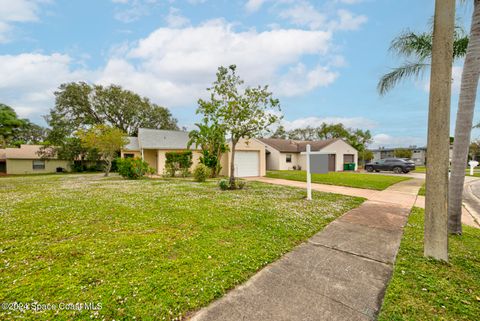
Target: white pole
x=309, y=176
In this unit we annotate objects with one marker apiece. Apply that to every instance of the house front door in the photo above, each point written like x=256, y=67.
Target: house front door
x=331, y=162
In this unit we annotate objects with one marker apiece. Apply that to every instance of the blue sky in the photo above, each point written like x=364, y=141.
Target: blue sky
x=322, y=59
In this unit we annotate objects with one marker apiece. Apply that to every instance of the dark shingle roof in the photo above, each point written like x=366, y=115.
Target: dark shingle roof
x=296, y=146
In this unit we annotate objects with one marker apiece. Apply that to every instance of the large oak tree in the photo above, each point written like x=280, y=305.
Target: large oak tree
x=81, y=105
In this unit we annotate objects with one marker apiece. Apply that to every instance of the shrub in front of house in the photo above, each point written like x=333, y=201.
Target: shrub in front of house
x=240, y=184
x=178, y=163
x=133, y=168
x=201, y=172
x=225, y=184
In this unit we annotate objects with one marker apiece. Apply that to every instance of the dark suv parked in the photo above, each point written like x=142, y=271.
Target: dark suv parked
x=397, y=165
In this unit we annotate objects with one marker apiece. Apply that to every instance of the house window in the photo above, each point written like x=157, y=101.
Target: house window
x=128, y=155
x=289, y=158
x=38, y=164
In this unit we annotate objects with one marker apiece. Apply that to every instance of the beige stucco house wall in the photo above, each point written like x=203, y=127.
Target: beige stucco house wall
x=25, y=166
x=281, y=160
x=245, y=145
x=153, y=145
x=341, y=148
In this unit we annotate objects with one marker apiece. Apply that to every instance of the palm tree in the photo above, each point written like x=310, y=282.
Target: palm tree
x=435, y=230
x=210, y=137
x=463, y=126
x=417, y=50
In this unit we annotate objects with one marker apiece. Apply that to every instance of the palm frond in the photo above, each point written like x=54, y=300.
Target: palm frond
x=460, y=45
x=391, y=79
x=419, y=46
x=409, y=44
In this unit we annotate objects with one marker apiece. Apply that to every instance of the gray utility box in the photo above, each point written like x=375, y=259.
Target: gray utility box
x=319, y=163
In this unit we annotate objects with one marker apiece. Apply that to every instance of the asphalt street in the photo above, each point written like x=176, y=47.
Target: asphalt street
x=471, y=198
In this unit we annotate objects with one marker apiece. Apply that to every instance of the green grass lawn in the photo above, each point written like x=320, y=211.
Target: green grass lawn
x=424, y=289
x=423, y=169
x=421, y=191
x=153, y=249
x=368, y=181
x=420, y=169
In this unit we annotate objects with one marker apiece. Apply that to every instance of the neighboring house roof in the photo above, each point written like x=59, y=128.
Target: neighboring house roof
x=24, y=152
x=296, y=146
x=161, y=139
x=3, y=154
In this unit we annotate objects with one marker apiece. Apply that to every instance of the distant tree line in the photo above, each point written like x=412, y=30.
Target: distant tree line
x=15, y=131
x=403, y=153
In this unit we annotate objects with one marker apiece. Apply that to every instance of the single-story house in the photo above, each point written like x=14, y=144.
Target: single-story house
x=286, y=154
x=152, y=145
x=27, y=160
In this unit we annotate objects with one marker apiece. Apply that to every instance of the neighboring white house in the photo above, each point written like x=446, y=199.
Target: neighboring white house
x=419, y=154
x=153, y=144
x=285, y=154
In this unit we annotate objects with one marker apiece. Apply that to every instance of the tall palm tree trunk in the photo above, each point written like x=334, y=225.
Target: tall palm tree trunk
x=435, y=232
x=463, y=126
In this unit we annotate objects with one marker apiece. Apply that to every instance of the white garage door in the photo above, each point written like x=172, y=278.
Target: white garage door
x=247, y=164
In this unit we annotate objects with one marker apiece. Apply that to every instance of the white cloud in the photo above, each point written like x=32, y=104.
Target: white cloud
x=299, y=80
x=132, y=10
x=173, y=66
x=351, y=122
x=348, y=20
x=175, y=20
x=17, y=11
x=254, y=5
x=29, y=80
x=304, y=14
x=384, y=140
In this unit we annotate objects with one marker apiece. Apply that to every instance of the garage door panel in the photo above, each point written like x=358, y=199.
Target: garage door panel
x=348, y=158
x=247, y=164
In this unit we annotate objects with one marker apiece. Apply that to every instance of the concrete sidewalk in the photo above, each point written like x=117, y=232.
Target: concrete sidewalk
x=404, y=192
x=341, y=273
